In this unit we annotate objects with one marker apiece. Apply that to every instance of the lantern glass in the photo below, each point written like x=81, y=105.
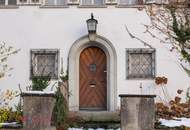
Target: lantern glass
x=92, y=27
x=92, y=24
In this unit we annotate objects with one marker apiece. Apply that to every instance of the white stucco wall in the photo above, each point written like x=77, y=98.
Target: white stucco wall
x=30, y=27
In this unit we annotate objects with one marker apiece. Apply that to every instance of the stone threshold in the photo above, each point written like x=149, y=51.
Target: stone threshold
x=96, y=116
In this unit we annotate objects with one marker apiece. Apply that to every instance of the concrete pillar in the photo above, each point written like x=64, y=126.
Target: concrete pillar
x=37, y=111
x=137, y=112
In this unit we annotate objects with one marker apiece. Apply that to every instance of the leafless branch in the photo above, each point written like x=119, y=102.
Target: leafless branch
x=135, y=37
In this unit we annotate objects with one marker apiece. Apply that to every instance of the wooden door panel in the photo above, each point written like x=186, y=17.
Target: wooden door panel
x=93, y=84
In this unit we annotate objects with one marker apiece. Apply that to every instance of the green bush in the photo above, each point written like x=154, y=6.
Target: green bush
x=8, y=115
x=40, y=82
x=60, y=110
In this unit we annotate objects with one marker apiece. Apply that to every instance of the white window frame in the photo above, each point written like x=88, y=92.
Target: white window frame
x=34, y=52
x=92, y=3
x=55, y=3
x=29, y=2
x=151, y=51
x=122, y=4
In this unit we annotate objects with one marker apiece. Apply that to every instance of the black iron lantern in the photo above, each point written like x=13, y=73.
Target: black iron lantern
x=92, y=24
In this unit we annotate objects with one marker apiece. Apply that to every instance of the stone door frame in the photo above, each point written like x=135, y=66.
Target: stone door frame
x=73, y=65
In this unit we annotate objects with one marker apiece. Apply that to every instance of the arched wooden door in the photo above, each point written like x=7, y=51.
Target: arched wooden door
x=93, y=79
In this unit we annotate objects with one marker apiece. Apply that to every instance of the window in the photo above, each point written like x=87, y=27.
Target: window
x=93, y=2
x=11, y=2
x=140, y=63
x=44, y=62
x=8, y=2
x=157, y=1
x=29, y=2
x=130, y=2
x=2, y=2
x=55, y=2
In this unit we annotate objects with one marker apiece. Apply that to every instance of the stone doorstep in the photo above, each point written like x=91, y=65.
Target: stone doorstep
x=96, y=116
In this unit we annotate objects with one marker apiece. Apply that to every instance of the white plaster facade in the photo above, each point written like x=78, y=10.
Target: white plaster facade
x=31, y=27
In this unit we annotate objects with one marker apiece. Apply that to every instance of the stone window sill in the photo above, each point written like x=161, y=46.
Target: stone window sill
x=92, y=6
x=73, y=3
x=9, y=7
x=54, y=6
x=29, y=4
x=129, y=6
x=111, y=3
x=131, y=77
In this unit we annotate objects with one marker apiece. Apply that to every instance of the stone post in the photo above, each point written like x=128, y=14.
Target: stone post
x=37, y=110
x=137, y=112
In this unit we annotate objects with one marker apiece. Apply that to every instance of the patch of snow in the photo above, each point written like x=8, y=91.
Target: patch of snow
x=176, y=122
x=91, y=129
x=12, y=123
x=51, y=87
x=39, y=92
x=75, y=128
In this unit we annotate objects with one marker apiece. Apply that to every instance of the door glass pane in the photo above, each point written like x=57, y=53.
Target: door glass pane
x=2, y=2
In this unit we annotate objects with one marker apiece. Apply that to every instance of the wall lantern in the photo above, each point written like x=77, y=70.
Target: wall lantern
x=92, y=26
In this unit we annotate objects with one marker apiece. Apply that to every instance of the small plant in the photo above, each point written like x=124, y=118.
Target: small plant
x=161, y=80
x=8, y=115
x=176, y=108
x=19, y=113
x=40, y=82
x=60, y=111
x=64, y=77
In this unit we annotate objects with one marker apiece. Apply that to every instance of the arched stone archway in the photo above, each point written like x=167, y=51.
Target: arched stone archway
x=74, y=55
